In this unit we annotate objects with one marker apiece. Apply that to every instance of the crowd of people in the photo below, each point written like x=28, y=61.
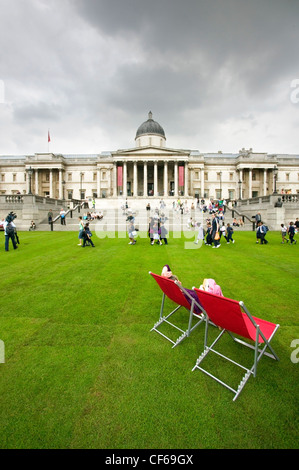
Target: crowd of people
x=210, y=233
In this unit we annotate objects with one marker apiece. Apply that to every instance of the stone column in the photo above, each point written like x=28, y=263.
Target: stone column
x=155, y=179
x=51, y=183
x=145, y=179
x=99, y=182
x=186, y=188
x=165, y=179
x=60, y=196
x=202, y=182
x=114, y=179
x=250, y=184
x=36, y=183
x=265, y=182
x=191, y=182
x=240, y=179
x=175, y=179
x=125, y=192
x=135, y=183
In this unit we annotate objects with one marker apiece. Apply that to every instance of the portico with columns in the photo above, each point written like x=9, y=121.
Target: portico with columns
x=143, y=174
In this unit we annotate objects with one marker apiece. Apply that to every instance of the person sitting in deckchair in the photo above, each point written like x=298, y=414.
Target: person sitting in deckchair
x=166, y=272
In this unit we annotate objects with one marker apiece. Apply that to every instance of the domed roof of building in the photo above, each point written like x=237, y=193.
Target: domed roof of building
x=150, y=127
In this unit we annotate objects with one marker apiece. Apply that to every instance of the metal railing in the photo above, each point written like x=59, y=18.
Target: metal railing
x=70, y=211
x=243, y=216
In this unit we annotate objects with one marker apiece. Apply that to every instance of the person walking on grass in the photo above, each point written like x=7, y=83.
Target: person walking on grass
x=291, y=232
x=81, y=229
x=229, y=234
x=9, y=233
x=215, y=231
x=87, y=236
x=132, y=234
x=284, y=231
x=156, y=233
x=262, y=230
x=200, y=235
x=164, y=232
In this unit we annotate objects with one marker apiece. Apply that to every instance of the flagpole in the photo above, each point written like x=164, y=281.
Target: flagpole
x=49, y=140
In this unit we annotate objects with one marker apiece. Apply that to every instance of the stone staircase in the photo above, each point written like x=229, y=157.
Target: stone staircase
x=115, y=221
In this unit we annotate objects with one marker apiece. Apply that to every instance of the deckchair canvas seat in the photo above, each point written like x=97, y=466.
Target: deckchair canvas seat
x=234, y=318
x=181, y=298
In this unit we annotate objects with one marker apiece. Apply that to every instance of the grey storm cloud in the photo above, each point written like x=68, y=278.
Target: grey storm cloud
x=213, y=72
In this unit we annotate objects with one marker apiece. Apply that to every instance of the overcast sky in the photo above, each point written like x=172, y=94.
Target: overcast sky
x=216, y=74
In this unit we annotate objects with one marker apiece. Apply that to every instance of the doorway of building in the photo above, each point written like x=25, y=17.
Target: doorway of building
x=150, y=189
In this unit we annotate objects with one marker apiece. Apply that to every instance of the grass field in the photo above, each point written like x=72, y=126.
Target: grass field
x=83, y=370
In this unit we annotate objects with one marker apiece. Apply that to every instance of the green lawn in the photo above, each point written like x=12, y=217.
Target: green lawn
x=83, y=370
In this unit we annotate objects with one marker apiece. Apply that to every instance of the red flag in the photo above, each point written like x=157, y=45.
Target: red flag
x=49, y=138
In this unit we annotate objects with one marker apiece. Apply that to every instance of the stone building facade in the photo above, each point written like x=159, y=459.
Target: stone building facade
x=150, y=169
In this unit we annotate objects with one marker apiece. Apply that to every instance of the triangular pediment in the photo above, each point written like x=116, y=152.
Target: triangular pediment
x=150, y=151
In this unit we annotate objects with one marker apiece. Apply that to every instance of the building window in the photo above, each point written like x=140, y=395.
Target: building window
x=255, y=193
x=287, y=176
x=3, y=177
x=70, y=194
x=103, y=175
x=231, y=176
x=206, y=178
x=14, y=177
x=231, y=194
x=94, y=176
x=69, y=176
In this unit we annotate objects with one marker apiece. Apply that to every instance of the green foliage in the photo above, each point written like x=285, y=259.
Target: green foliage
x=83, y=370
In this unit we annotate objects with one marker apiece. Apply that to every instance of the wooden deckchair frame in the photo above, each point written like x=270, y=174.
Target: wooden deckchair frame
x=168, y=288
x=255, y=329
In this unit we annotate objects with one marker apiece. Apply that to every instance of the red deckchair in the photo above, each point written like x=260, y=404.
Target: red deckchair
x=229, y=317
x=182, y=298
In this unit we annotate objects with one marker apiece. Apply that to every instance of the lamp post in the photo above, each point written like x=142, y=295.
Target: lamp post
x=81, y=178
x=275, y=171
x=63, y=186
x=30, y=172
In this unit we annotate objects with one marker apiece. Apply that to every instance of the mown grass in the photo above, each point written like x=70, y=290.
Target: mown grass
x=83, y=370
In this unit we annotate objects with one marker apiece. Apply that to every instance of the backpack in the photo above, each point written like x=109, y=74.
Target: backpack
x=210, y=285
x=9, y=229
